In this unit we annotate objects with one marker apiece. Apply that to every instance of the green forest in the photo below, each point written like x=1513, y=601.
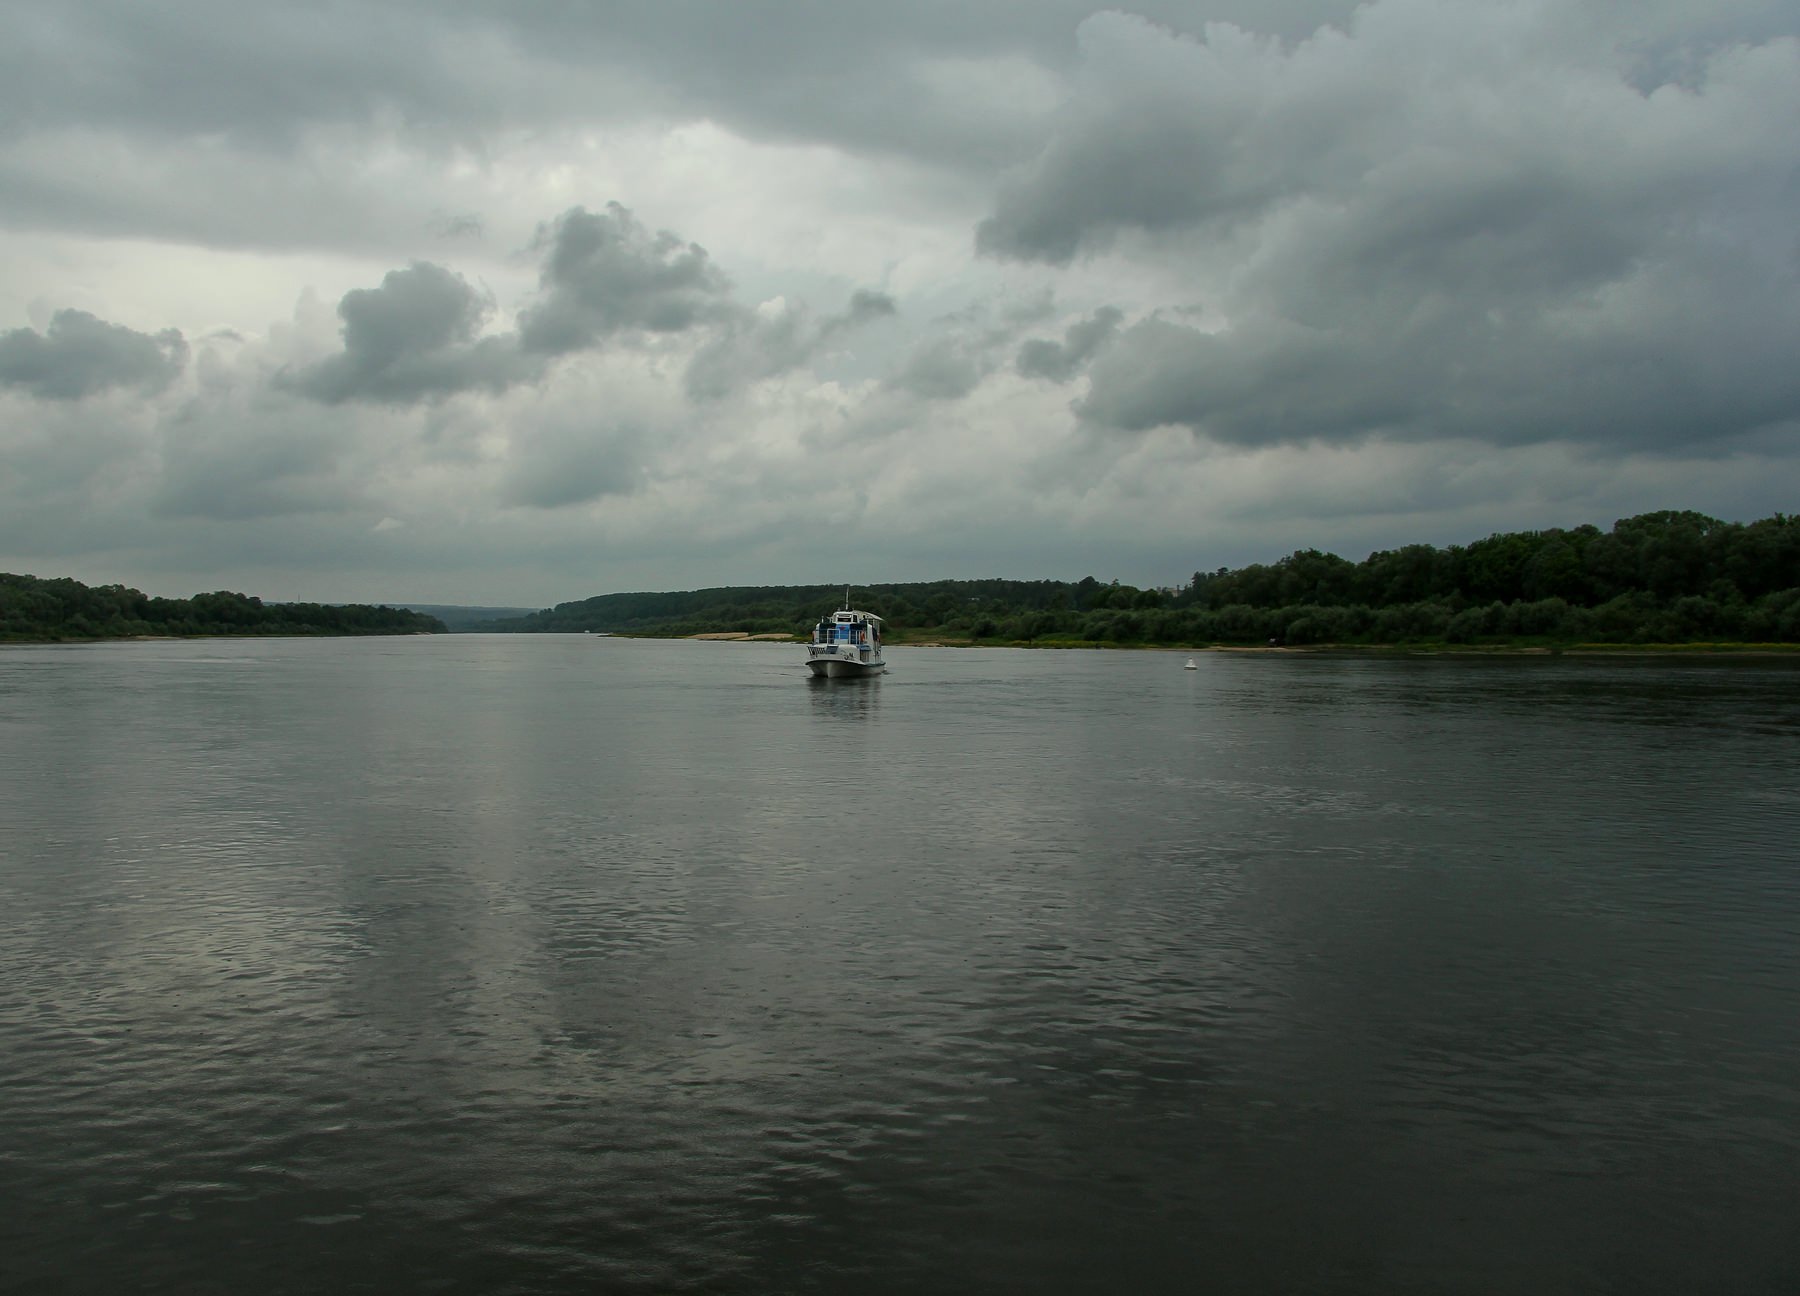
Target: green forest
x=62, y=609
x=1658, y=578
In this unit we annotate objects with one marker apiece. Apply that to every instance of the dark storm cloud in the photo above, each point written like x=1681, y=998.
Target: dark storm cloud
x=1280, y=384
x=244, y=125
x=1632, y=378
x=605, y=273
x=260, y=74
x=413, y=338
x=1061, y=361
x=134, y=88
x=1160, y=134
x=1425, y=229
x=252, y=72
x=78, y=355
x=1168, y=130
x=770, y=68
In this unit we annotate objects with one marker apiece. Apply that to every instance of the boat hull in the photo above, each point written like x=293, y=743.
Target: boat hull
x=844, y=667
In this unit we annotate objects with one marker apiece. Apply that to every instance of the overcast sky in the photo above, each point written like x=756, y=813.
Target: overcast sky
x=437, y=301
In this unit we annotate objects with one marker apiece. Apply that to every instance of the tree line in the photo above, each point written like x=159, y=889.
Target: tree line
x=1664, y=577
x=62, y=609
x=784, y=609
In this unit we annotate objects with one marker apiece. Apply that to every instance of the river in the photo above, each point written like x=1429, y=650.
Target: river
x=542, y=964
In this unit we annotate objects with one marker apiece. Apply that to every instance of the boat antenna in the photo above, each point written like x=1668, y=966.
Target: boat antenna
x=846, y=598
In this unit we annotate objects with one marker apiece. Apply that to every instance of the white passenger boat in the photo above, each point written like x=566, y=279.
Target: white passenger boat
x=846, y=643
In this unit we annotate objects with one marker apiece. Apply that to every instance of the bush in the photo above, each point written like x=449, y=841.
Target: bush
x=1411, y=622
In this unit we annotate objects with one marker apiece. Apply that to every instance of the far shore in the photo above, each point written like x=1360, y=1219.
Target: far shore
x=1419, y=649
x=743, y=636
x=951, y=641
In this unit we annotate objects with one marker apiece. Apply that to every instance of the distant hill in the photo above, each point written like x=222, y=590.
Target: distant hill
x=459, y=619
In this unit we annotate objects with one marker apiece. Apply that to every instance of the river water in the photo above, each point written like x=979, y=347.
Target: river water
x=569, y=964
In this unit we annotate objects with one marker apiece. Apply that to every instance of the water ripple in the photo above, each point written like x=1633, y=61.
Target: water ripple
x=540, y=965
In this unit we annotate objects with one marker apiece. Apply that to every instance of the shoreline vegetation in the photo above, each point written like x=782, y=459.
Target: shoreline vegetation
x=1677, y=582
x=66, y=611
x=1419, y=648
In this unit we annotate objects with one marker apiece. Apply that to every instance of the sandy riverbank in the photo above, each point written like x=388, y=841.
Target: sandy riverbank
x=746, y=637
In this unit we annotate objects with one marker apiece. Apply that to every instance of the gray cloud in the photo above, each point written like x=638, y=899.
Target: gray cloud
x=1278, y=384
x=605, y=278
x=942, y=369
x=260, y=74
x=959, y=352
x=234, y=461
x=422, y=308
x=576, y=463
x=1153, y=139
x=605, y=273
x=78, y=355
x=752, y=346
x=1395, y=256
x=410, y=339
x=954, y=87
x=250, y=72
x=265, y=126
x=1165, y=132
x=1061, y=361
x=748, y=350
x=1626, y=372
x=866, y=306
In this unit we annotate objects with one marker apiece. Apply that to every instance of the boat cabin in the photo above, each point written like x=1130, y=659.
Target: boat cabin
x=854, y=628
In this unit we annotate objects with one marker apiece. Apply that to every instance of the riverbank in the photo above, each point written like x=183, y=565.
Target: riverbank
x=1524, y=649
x=744, y=636
x=1534, y=649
